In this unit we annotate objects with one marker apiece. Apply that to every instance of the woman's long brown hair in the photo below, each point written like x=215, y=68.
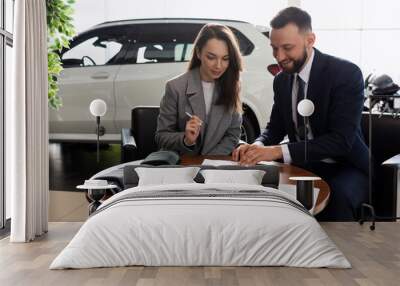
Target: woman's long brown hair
x=230, y=80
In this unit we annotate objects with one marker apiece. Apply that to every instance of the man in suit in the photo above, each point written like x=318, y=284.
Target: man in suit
x=336, y=149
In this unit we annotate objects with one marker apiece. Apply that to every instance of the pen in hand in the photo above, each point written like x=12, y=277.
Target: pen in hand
x=191, y=116
x=192, y=129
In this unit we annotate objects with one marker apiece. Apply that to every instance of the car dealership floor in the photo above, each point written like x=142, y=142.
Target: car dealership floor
x=69, y=165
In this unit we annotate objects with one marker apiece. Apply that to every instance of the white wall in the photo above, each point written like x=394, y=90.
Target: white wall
x=91, y=12
x=366, y=32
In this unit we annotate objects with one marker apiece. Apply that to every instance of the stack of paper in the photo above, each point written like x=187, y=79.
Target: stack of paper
x=219, y=162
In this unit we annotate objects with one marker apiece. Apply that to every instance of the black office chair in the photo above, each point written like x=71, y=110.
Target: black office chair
x=138, y=141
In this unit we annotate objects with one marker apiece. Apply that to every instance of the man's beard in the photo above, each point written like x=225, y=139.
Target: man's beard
x=297, y=64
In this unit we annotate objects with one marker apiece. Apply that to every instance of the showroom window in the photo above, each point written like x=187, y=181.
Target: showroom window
x=6, y=42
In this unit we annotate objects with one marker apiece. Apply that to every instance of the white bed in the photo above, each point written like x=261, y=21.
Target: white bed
x=222, y=225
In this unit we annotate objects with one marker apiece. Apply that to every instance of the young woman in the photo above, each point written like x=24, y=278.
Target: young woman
x=200, y=112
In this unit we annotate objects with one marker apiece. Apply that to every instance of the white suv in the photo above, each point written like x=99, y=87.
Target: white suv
x=126, y=63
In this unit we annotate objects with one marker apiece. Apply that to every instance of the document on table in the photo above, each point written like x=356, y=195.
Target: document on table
x=219, y=162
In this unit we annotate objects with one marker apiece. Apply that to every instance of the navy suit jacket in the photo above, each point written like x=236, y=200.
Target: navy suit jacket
x=336, y=88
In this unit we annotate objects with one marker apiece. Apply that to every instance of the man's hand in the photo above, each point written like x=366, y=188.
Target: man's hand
x=239, y=152
x=256, y=153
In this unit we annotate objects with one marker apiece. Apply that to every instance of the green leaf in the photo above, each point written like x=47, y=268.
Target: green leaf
x=60, y=30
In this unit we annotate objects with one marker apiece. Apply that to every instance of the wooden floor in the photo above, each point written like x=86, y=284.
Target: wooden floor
x=375, y=257
x=67, y=206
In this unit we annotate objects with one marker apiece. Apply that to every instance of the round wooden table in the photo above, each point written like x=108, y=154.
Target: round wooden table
x=285, y=171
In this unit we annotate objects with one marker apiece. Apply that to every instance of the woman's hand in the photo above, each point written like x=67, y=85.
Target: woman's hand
x=192, y=130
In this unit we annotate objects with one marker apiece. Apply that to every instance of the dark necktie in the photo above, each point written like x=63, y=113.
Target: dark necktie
x=300, y=97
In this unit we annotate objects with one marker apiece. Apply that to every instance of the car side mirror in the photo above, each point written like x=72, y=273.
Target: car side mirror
x=71, y=63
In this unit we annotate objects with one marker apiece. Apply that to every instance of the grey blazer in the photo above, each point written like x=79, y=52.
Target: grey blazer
x=220, y=132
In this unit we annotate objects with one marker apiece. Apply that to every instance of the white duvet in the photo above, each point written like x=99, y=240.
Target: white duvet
x=183, y=231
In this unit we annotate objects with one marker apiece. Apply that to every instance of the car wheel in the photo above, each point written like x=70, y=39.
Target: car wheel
x=248, y=131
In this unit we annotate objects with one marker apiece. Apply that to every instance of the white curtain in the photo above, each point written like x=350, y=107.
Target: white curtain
x=27, y=124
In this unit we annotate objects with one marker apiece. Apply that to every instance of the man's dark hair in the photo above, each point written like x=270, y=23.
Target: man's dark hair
x=292, y=15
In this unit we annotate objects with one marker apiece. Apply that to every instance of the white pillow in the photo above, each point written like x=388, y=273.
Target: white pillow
x=164, y=176
x=248, y=177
